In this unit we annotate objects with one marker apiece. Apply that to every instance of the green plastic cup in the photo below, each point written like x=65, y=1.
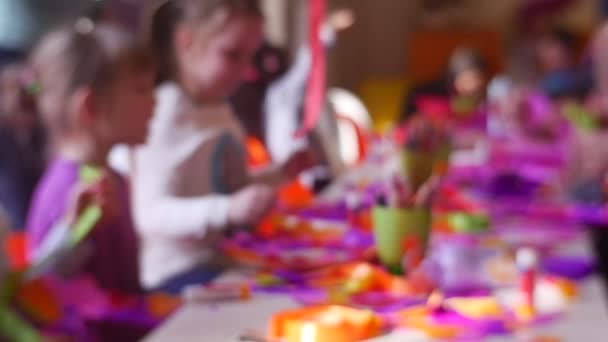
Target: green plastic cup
x=394, y=229
x=442, y=159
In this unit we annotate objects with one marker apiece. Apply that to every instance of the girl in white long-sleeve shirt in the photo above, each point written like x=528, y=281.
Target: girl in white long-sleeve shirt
x=190, y=179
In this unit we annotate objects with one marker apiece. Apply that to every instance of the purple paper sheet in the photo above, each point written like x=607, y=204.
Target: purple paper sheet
x=470, y=328
x=571, y=267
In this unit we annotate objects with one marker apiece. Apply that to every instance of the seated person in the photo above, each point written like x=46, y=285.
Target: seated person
x=22, y=156
x=466, y=77
x=561, y=78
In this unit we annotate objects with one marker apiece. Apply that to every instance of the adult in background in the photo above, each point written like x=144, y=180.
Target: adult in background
x=22, y=144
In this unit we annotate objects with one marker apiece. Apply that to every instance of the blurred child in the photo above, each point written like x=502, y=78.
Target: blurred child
x=589, y=164
x=190, y=179
x=556, y=51
x=562, y=78
x=466, y=78
x=504, y=91
x=589, y=158
x=96, y=90
x=22, y=155
x=597, y=102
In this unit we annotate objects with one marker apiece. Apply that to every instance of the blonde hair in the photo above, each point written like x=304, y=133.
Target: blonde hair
x=84, y=54
x=207, y=15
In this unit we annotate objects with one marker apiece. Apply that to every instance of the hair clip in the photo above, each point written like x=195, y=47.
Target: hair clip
x=30, y=83
x=84, y=25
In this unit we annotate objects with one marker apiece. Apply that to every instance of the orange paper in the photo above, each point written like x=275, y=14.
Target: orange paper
x=15, y=248
x=325, y=324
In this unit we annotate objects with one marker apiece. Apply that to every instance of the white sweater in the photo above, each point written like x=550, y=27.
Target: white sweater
x=180, y=180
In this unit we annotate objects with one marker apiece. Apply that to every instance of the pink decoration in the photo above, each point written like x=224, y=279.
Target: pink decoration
x=315, y=89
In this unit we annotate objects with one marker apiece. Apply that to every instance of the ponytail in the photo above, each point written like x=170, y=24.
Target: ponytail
x=160, y=27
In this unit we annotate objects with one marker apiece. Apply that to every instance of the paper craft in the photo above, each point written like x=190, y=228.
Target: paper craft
x=13, y=328
x=464, y=106
x=295, y=195
x=580, y=117
x=301, y=240
x=289, y=254
x=44, y=301
x=325, y=324
x=63, y=238
x=471, y=260
x=92, y=214
x=39, y=302
x=85, y=224
x=436, y=107
x=461, y=110
x=476, y=318
x=315, y=88
x=462, y=264
x=570, y=267
x=317, y=232
x=462, y=222
x=425, y=151
x=476, y=307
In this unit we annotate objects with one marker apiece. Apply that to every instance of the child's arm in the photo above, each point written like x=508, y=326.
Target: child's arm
x=55, y=254
x=162, y=214
x=157, y=211
x=276, y=175
x=91, y=206
x=194, y=217
x=270, y=175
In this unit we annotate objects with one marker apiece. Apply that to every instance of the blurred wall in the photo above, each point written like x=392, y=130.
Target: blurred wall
x=22, y=21
x=276, y=14
x=376, y=46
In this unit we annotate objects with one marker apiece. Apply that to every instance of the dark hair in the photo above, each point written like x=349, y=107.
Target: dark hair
x=269, y=63
x=162, y=19
x=563, y=37
x=84, y=54
x=463, y=59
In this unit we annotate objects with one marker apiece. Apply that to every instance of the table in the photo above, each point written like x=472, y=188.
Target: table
x=585, y=321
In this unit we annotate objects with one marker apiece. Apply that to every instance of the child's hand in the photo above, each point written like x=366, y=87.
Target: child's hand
x=102, y=193
x=250, y=205
x=298, y=162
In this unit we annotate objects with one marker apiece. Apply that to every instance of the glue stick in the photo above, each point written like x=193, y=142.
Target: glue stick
x=527, y=263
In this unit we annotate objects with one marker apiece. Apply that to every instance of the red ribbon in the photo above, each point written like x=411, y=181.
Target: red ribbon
x=315, y=89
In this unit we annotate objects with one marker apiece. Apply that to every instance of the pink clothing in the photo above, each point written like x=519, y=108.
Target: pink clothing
x=114, y=263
